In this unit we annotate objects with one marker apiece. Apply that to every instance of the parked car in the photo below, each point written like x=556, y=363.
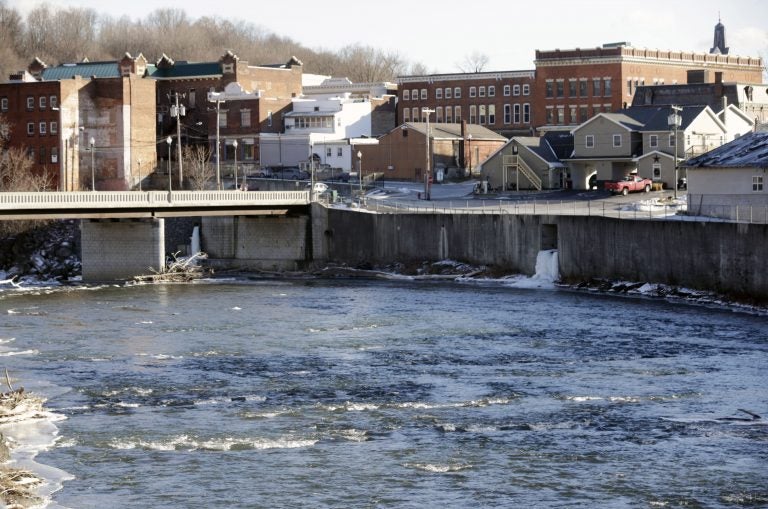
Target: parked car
x=264, y=173
x=287, y=173
x=319, y=187
x=629, y=184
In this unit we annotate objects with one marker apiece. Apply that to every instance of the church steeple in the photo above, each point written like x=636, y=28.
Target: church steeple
x=719, y=46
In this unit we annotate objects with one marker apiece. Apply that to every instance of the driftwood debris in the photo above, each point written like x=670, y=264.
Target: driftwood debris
x=181, y=269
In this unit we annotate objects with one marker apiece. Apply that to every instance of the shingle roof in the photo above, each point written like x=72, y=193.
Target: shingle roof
x=655, y=118
x=84, y=69
x=539, y=146
x=748, y=151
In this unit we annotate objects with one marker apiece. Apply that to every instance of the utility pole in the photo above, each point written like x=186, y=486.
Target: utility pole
x=178, y=112
x=216, y=97
x=428, y=173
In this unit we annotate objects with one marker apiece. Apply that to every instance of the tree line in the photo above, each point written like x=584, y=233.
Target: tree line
x=66, y=35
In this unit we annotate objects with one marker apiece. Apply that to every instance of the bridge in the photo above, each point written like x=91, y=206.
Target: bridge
x=148, y=204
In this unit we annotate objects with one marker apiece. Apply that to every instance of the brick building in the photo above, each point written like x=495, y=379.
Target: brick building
x=574, y=85
x=253, y=100
x=55, y=112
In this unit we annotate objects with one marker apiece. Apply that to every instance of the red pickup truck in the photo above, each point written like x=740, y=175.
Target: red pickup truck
x=628, y=185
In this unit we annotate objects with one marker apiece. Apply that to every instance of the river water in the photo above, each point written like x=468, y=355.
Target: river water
x=400, y=394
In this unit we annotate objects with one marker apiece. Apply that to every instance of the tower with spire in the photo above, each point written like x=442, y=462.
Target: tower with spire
x=719, y=47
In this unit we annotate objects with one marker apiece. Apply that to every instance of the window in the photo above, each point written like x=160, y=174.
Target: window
x=508, y=114
x=54, y=101
x=438, y=93
x=550, y=115
x=549, y=90
x=448, y=91
x=491, y=91
x=589, y=141
x=491, y=114
x=583, y=87
x=42, y=155
x=423, y=94
x=507, y=90
x=473, y=114
x=472, y=92
x=414, y=94
x=43, y=127
x=248, y=151
x=30, y=128
x=457, y=92
x=339, y=151
x=457, y=114
x=672, y=139
x=757, y=183
x=526, y=89
x=516, y=90
x=329, y=151
x=245, y=118
x=439, y=113
x=526, y=113
x=653, y=140
x=516, y=114
x=30, y=103
x=607, y=91
x=561, y=115
x=481, y=117
x=54, y=155
x=616, y=140
x=596, y=86
x=583, y=113
x=572, y=87
x=415, y=114
x=448, y=113
x=222, y=119
x=481, y=92
x=572, y=118
x=406, y=115
x=54, y=128
x=629, y=86
x=406, y=95
x=4, y=104
x=269, y=119
x=192, y=98
x=43, y=101
x=560, y=88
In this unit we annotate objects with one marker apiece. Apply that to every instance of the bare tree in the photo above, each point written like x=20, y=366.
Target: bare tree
x=474, y=62
x=16, y=172
x=197, y=161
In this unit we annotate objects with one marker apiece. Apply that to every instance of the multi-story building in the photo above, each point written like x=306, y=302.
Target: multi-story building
x=574, y=85
x=567, y=87
x=89, y=125
x=499, y=101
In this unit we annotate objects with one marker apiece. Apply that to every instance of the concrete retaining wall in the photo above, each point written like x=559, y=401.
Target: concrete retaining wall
x=257, y=242
x=119, y=250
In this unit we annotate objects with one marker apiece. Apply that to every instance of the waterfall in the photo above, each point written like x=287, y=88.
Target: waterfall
x=195, y=241
x=547, y=272
x=547, y=266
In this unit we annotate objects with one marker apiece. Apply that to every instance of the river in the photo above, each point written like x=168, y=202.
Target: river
x=252, y=393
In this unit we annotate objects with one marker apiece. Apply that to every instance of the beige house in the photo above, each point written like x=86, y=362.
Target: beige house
x=528, y=163
x=731, y=181
x=640, y=140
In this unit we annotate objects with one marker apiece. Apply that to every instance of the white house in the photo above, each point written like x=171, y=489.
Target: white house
x=730, y=181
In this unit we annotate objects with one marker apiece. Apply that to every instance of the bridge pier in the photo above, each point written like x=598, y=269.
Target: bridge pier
x=121, y=249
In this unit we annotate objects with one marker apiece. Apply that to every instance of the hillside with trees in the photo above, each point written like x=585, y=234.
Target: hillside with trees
x=65, y=35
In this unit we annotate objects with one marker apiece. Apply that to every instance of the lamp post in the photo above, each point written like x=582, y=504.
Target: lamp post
x=360, y=172
x=169, y=140
x=92, y=143
x=428, y=172
x=234, y=144
x=674, y=121
x=179, y=111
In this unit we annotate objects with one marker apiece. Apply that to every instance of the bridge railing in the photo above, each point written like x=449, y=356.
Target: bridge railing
x=149, y=199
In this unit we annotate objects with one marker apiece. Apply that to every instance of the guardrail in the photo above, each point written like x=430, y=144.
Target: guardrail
x=150, y=199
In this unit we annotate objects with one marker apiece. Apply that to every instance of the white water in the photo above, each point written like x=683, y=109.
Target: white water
x=547, y=272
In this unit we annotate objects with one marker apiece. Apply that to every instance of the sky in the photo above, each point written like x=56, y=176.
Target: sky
x=507, y=32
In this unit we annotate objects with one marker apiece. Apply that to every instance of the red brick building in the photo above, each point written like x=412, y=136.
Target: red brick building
x=574, y=85
x=55, y=112
x=499, y=101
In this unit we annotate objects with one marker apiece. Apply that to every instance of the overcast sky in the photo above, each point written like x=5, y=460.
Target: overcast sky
x=507, y=32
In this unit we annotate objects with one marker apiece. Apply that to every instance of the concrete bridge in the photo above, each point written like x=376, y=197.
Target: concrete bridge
x=123, y=233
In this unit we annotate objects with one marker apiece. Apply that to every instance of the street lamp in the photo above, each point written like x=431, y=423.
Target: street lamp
x=169, y=140
x=360, y=172
x=674, y=121
x=92, y=143
x=427, y=173
x=234, y=144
